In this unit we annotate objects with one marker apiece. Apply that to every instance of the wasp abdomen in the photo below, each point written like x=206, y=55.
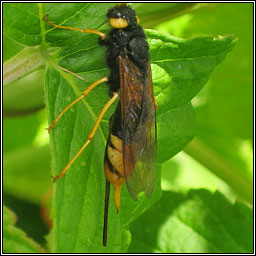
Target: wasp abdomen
x=114, y=167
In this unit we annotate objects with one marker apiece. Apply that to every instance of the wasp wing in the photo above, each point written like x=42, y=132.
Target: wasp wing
x=138, y=127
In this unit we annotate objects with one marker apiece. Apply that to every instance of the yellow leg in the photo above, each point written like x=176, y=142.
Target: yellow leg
x=87, y=30
x=90, y=137
x=102, y=80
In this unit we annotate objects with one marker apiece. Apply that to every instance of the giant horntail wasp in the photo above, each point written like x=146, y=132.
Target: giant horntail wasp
x=131, y=148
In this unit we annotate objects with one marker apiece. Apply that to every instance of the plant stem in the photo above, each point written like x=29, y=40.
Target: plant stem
x=25, y=62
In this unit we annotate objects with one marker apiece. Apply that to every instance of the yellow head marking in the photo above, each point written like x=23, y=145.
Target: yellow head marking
x=118, y=23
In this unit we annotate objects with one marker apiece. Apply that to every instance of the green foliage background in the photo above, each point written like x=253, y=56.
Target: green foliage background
x=205, y=206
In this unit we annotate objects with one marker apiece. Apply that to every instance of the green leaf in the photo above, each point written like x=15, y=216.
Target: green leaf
x=186, y=64
x=200, y=222
x=151, y=14
x=176, y=128
x=231, y=127
x=227, y=100
x=87, y=173
x=82, y=55
x=180, y=69
x=14, y=239
x=22, y=23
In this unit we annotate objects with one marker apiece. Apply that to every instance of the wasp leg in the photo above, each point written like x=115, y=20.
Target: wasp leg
x=92, y=86
x=87, y=30
x=90, y=137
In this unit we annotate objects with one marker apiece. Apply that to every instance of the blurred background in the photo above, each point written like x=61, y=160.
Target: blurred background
x=219, y=158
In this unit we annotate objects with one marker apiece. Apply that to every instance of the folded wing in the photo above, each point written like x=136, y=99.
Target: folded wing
x=138, y=127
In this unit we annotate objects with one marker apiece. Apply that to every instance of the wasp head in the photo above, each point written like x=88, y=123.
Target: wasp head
x=122, y=16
